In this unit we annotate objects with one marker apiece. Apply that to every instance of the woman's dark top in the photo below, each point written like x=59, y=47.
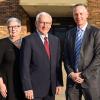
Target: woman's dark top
x=9, y=69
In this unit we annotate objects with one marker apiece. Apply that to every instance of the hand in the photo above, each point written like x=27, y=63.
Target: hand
x=3, y=89
x=58, y=90
x=29, y=94
x=79, y=80
x=76, y=77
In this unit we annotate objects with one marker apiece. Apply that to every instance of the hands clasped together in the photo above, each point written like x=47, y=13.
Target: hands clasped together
x=76, y=77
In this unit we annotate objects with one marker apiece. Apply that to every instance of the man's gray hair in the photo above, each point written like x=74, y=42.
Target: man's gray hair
x=42, y=14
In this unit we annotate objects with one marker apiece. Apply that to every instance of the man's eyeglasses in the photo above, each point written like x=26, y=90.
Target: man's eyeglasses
x=47, y=23
x=15, y=27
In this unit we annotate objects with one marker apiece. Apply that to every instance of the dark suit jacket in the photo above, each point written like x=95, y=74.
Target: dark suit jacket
x=37, y=71
x=89, y=63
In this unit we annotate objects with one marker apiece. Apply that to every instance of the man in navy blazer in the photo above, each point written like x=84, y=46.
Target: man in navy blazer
x=84, y=78
x=41, y=75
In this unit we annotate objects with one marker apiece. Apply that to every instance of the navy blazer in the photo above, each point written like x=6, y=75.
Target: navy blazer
x=38, y=73
x=89, y=63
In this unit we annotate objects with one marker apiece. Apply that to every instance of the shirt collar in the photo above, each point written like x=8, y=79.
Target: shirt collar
x=42, y=36
x=83, y=28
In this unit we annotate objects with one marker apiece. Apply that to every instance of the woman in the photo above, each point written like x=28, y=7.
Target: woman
x=10, y=86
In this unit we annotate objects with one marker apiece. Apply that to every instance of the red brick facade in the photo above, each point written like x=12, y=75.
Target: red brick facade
x=12, y=8
x=94, y=11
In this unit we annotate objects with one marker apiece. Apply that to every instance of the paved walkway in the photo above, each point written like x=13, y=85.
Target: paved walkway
x=62, y=96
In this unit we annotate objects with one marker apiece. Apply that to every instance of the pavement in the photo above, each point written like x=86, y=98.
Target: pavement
x=62, y=95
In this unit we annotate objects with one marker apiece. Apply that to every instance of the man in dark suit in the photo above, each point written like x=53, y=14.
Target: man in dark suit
x=41, y=72
x=82, y=59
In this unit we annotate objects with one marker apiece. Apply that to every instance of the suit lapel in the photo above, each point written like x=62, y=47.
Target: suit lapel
x=84, y=44
x=40, y=44
x=38, y=40
x=52, y=48
x=72, y=40
x=85, y=38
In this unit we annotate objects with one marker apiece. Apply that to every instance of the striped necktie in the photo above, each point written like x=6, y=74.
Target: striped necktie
x=78, y=43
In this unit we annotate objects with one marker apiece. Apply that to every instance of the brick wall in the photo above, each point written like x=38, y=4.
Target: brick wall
x=94, y=11
x=12, y=8
x=9, y=8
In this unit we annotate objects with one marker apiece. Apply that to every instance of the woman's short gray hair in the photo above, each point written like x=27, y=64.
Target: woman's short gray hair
x=13, y=19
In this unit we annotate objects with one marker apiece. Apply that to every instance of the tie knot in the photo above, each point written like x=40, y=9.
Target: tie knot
x=45, y=38
x=79, y=33
x=79, y=30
